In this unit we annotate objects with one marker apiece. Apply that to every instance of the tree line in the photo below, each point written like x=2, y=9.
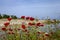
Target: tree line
x=7, y=16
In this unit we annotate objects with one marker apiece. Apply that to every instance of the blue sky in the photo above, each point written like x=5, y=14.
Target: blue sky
x=39, y=8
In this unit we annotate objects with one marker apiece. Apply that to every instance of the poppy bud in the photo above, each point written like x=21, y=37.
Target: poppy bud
x=10, y=29
x=18, y=28
x=38, y=32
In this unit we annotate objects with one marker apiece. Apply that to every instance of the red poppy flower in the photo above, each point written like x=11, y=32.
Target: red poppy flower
x=27, y=18
x=6, y=24
x=42, y=25
x=23, y=17
x=31, y=19
x=23, y=26
x=9, y=19
x=38, y=24
x=30, y=24
x=4, y=29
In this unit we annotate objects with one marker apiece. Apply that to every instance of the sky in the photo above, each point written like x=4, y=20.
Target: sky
x=34, y=8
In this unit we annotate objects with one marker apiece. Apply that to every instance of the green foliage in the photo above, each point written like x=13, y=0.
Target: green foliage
x=0, y=16
x=56, y=35
x=13, y=17
x=5, y=16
